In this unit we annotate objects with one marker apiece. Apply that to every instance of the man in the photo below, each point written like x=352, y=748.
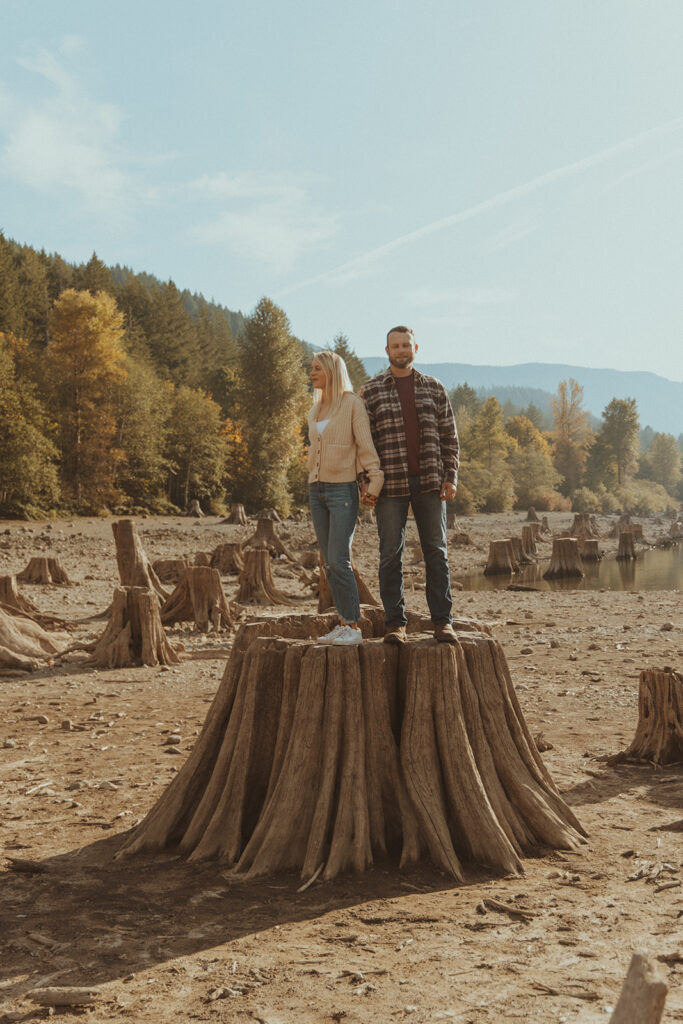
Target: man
x=414, y=431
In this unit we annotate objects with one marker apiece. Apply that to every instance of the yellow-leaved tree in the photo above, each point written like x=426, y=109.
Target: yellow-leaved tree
x=85, y=359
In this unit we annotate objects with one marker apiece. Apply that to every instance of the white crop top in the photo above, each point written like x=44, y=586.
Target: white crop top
x=321, y=424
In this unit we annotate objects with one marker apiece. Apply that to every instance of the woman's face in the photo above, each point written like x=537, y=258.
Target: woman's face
x=318, y=376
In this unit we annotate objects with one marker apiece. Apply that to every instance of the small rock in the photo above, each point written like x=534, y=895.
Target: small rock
x=67, y=725
x=9, y=744
x=410, y=1009
x=172, y=750
x=667, y=627
x=527, y=650
x=173, y=739
x=42, y=719
x=107, y=785
x=554, y=644
x=76, y=784
x=594, y=647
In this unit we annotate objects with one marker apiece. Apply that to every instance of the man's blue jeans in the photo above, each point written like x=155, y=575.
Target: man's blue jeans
x=334, y=511
x=430, y=518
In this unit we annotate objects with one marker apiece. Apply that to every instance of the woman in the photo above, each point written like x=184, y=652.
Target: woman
x=340, y=448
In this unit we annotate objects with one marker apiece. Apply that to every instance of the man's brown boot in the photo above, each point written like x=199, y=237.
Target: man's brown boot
x=445, y=634
x=395, y=635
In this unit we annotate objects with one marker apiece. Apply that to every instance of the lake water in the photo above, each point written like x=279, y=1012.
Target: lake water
x=655, y=569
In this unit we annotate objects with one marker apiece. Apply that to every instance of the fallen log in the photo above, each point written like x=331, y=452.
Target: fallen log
x=565, y=560
x=14, y=603
x=45, y=570
x=23, y=643
x=659, y=732
x=198, y=598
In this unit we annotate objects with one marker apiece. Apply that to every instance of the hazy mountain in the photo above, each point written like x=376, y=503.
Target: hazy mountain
x=660, y=401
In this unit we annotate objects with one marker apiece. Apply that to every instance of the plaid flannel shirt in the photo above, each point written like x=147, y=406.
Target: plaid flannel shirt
x=439, y=447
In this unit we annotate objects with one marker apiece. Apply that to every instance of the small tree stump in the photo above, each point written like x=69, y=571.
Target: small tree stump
x=531, y=516
x=581, y=527
x=461, y=539
x=325, y=599
x=266, y=537
x=23, y=643
x=315, y=756
x=545, y=526
x=227, y=558
x=500, y=560
x=135, y=569
x=535, y=530
x=529, y=542
x=310, y=558
x=637, y=531
x=590, y=550
x=14, y=603
x=169, y=570
x=627, y=551
x=44, y=570
x=201, y=558
x=256, y=580
x=565, y=560
x=519, y=555
x=643, y=994
x=237, y=516
x=450, y=520
x=194, y=509
x=134, y=634
x=198, y=598
x=659, y=733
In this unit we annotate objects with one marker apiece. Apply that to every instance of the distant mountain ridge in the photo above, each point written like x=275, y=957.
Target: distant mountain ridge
x=660, y=401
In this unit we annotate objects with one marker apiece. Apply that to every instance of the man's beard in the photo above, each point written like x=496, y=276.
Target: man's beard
x=401, y=361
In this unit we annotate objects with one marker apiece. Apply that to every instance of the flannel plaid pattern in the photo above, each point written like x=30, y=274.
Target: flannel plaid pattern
x=439, y=446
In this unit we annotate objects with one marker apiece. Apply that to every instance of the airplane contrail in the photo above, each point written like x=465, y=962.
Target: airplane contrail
x=576, y=167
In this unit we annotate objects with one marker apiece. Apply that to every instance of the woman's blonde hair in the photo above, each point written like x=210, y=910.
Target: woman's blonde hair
x=336, y=377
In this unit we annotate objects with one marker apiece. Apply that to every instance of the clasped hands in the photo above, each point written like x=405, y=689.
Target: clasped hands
x=447, y=493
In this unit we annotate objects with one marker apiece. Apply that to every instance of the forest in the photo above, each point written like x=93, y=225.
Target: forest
x=120, y=393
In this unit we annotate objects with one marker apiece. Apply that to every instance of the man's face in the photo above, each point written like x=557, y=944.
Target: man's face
x=401, y=349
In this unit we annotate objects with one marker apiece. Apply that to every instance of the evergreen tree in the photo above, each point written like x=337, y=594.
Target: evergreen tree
x=662, y=462
x=354, y=364
x=196, y=447
x=464, y=399
x=489, y=441
x=143, y=416
x=172, y=337
x=620, y=432
x=94, y=277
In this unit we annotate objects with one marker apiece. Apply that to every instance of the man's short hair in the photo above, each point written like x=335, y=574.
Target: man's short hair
x=401, y=329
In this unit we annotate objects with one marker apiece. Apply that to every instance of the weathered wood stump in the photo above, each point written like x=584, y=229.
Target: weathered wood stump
x=626, y=551
x=134, y=634
x=637, y=531
x=238, y=516
x=325, y=599
x=659, y=733
x=14, y=603
x=169, y=570
x=198, y=598
x=565, y=560
x=529, y=542
x=500, y=560
x=518, y=553
x=306, y=626
x=450, y=520
x=135, y=569
x=44, y=570
x=545, y=526
x=535, y=530
x=309, y=558
x=461, y=539
x=227, y=558
x=531, y=516
x=581, y=526
x=266, y=537
x=315, y=756
x=194, y=509
x=256, y=580
x=622, y=523
x=201, y=558
x=643, y=994
x=23, y=643
x=590, y=550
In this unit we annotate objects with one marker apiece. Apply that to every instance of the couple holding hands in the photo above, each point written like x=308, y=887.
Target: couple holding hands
x=398, y=442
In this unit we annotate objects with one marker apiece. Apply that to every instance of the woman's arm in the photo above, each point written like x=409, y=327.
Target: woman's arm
x=366, y=454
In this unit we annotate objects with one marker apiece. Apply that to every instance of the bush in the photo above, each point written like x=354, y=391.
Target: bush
x=545, y=499
x=464, y=504
x=645, y=498
x=585, y=500
x=499, y=499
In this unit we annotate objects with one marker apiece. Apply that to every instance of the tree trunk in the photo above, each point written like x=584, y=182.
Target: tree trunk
x=227, y=558
x=134, y=634
x=266, y=536
x=659, y=733
x=14, y=603
x=194, y=509
x=169, y=570
x=256, y=580
x=202, y=558
x=531, y=516
x=643, y=994
x=500, y=559
x=529, y=543
x=317, y=756
x=134, y=566
x=325, y=599
x=198, y=598
x=627, y=551
x=44, y=570
x=237, y=516
x=590, y=550
x=565, y=561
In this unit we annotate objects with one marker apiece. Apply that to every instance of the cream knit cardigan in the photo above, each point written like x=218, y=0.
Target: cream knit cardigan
x=345, y=448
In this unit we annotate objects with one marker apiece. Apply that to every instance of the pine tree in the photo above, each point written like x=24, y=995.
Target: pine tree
x=620, y=433
x=196, y=447
x=354, y=364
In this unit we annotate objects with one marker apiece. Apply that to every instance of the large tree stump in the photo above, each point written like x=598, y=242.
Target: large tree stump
x=23, y=643
x=659, y=733
x=325, y=599
x=14, y=603
x=529, y=542
x=565, y=561
x=626, y=551
x=134, y=634
x=237, y=516
x=315, y=756
x=44, y=570
x=500, y=561
x=227, y=558
x=135, y=569
x=643, y=993
x=198, y=598
x=169, y=570
x=256, y=580
x=590, y=550
x=266, y=537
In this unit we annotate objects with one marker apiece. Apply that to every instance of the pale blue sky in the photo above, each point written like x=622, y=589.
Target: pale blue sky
x=503, y=176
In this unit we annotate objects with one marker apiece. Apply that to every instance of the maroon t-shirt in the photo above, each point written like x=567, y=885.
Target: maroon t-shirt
x=406, y=393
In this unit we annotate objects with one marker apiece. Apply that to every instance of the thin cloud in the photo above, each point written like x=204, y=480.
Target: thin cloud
x=476, y=296
x=356, y=266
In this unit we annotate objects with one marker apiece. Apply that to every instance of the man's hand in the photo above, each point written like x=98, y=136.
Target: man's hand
x=369, y=500
x=447, y=491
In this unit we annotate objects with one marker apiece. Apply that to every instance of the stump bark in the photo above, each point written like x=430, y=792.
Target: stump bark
x=14, y=603
x=44, y=570
x=194, y=509
x=500, y=561
x=582, y=526
x=643, y=994
x=659, y=733
x=198, y=598
x=321, y=757
x=529, y=543
x=626, y=551
x=169, y=570
x=535, y=530
x=23, y=643
x=518, y=553
x=565, y=561
x=590, y=550
x=545, y=526
x=256, y=580
x=135, y=569
x=266, y=537
x=134, y=634
x=227, y=558
x=325, y=599
x=237, y=516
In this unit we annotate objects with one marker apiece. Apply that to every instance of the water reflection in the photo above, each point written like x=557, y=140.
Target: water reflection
x=653, y=570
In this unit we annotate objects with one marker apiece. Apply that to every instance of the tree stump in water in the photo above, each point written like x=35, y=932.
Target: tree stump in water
x=590, y=550
x=637, y=531
x=44, y=570
x=134, y=634
x=135, y=569
x=325, y=599
x=627, y=551
x=256, y=580
x=518, y=554
x=266, y=537
x=529, y=543
x=531, y=516
x=500, y=561
x=169, y=570
x=659, y=733
x=314, y=756
x=535, y=531
x=227, y=558
x=23, y=643
x=194, y=509
x=198, y=598
x=14, y=603
x=565, y=561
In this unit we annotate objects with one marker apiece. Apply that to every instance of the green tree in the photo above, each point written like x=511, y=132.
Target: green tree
x=662, y=462
x=94, y=277
x=489, y=441
x=354, y=364
x=196, y=447
x=465, y=402
x=273, y=395
x=171, y=336
x=143, y=416
x=620, y=433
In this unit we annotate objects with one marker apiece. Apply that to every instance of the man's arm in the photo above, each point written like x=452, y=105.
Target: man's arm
x=450, y=445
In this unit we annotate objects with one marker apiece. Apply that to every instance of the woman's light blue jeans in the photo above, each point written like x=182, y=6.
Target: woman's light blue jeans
x=334, y=510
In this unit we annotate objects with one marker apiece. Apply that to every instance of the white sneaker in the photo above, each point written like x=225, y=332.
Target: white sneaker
x=328, y=638
x=347, y=637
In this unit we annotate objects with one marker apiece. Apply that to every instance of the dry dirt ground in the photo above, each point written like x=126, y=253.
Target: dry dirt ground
x=165, y=940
